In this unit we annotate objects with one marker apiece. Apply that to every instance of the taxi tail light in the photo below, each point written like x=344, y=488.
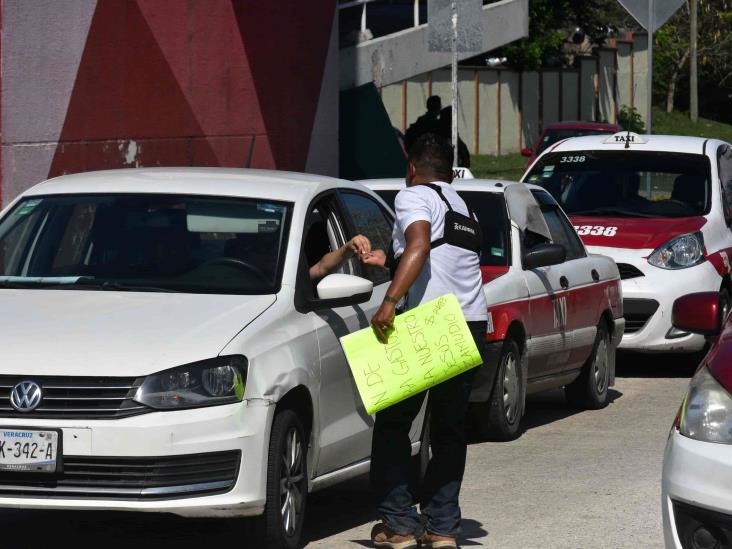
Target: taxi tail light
x=489, y=274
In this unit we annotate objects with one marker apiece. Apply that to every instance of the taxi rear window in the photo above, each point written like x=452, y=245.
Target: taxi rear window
x=490, y=208
x=627, y=183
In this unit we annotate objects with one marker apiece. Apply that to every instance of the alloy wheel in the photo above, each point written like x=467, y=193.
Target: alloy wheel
x=510, y=388
x=291, y=479
x=600, y=367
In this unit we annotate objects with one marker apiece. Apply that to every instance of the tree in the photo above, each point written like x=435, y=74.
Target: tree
x=714, y=50
x=552, y=21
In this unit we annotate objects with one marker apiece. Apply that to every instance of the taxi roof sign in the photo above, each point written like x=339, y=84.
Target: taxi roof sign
x=626, y=138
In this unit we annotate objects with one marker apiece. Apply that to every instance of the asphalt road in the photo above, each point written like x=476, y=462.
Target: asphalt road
x=572, y=481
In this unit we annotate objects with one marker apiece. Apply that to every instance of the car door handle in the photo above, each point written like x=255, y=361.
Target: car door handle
x=563, y=282
x=595, y=275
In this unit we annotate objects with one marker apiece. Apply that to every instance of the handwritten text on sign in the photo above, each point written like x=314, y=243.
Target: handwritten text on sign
x=430, y=344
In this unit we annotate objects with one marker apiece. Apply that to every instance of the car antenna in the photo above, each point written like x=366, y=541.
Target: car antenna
x=627, y=140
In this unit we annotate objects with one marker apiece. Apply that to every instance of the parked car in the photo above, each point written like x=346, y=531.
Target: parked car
x=553, y=133
x=697, y=464
x=658, y=205
x=555, y=311
x=164, y=349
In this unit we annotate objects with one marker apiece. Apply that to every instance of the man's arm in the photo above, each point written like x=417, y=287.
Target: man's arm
x=416, y=252
x=332, y=261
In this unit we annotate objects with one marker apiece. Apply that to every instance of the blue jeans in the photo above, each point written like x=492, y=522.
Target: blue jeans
x=391, y=461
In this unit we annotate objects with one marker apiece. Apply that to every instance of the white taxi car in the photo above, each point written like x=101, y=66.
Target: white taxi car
x=658, y=205
x=164, y=349
x=555, y=311
x=696, y=498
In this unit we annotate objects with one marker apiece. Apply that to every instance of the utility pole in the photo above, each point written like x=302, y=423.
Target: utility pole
x=454, y=85
x=649, y=121
x=693, y=79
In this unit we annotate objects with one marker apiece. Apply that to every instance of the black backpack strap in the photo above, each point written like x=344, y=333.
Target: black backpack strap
x=438, y=190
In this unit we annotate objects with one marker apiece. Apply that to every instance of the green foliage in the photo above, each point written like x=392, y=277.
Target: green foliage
x=552, y=21
x=630, y=119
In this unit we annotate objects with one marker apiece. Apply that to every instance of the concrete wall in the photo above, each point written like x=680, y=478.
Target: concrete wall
x=502, y=110
x=91, y=84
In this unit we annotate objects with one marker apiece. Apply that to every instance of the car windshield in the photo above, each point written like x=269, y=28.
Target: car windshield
x=552, y=136
x=144, y=242
x=626, y=183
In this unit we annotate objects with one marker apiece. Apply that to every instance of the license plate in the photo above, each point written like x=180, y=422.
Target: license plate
x=28, y=451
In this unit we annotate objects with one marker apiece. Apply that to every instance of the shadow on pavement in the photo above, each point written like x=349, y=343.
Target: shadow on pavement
x=656, y=365
x=92, y=529
x=340, y=508
x=544, y=408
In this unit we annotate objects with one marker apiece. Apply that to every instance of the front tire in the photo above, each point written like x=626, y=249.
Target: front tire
x=499, y=418
x=590, y=390
x=287, y=483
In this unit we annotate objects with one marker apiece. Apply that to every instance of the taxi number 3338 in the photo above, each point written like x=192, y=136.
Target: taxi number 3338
x=595, y=230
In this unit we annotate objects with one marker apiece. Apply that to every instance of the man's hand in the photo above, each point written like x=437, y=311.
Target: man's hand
x=383, y=321
x=375, y=258
x=359, y=245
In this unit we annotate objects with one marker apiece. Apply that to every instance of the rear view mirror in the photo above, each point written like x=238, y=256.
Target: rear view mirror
x=544, y=255
x=340, y=290
x=698, y=313
x=526, y=151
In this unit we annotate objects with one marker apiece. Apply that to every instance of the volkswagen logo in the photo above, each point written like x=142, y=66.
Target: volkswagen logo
x=26, y=396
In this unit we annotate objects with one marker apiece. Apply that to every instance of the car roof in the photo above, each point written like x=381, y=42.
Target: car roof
x=239, y=182
x=657, y=143
x=479, y=185
x=579, y=125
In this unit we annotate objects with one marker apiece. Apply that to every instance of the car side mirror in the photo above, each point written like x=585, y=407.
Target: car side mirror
x=544, y=255
x=342, y=290
x=526, y=151
x=698, y=313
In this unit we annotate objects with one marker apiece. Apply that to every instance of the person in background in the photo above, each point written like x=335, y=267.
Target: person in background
x=445, y=131
x=430, y=264
x=427, y=123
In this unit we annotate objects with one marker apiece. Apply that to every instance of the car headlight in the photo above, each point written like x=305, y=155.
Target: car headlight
x=207, y=383
x=681, y=252
x=706, y=414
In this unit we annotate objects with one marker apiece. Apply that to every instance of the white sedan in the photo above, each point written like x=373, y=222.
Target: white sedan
x=164, y=349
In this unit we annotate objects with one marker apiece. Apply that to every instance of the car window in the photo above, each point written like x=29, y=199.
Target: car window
x=724, y=159
x=490, y=209
x=626, y=183
x=368, y=218
x=193, y=244
x=561, y=230
x=388, y=197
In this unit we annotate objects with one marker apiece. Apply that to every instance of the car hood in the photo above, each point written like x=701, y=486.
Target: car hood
x=110, y=333
x=634, y=232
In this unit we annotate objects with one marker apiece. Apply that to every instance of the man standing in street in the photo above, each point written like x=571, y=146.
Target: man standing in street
x=427, y=123
x=430, y=264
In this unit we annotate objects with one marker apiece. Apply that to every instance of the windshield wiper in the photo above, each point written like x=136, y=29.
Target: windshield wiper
x=612, y=211
x=36, y=281
x=114, y=285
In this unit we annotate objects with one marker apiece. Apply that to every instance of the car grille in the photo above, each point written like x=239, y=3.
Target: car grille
x=129, y=478
x=77, y=397
x=637, y=313
x=629, y=271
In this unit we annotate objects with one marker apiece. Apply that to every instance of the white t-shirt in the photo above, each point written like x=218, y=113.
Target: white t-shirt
x=449, y=269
